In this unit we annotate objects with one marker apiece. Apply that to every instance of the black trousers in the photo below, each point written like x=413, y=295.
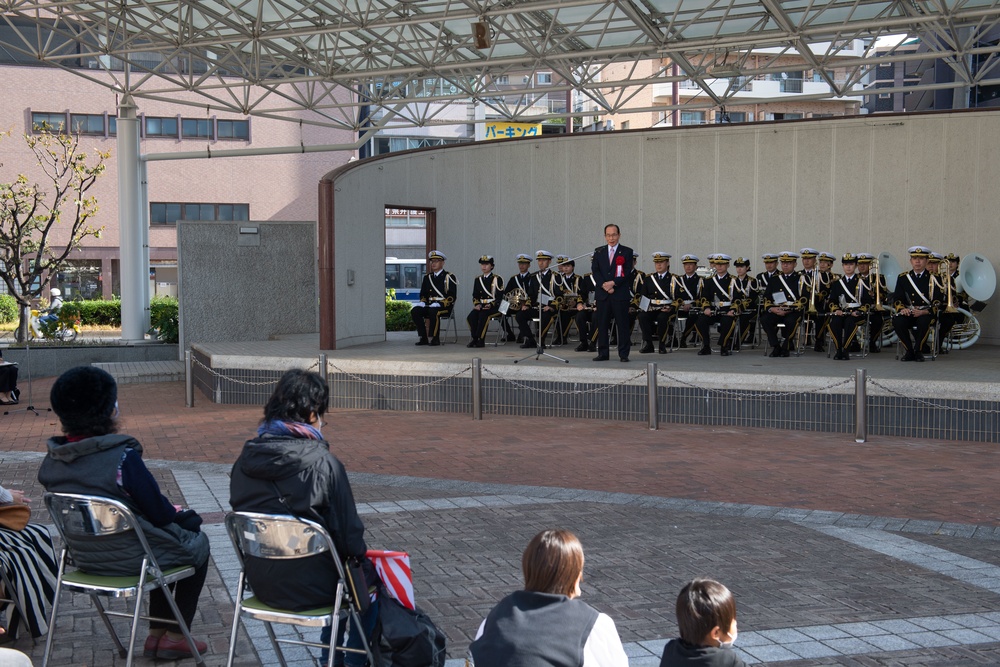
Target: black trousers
x=186, y=592
x=420, y=313
x=843, y=328
x=479, y=321
x=524, y=318
x=948, y=321
x=912, y=339
x=748, y=322
x=770, y=322
x=876, y=321
x=656, y=323
x=8, y=378
x=617, y=310
x=727, y=325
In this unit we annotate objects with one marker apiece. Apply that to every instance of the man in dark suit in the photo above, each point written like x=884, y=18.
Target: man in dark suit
x=611, y=268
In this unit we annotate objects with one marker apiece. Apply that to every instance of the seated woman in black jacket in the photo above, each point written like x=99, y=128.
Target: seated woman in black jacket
x=289, y=469
x=93, y=459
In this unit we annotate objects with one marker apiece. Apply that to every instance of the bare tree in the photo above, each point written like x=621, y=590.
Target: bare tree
x=38, y=227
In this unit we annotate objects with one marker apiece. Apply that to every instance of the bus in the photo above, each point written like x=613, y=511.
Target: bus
x=405, y=276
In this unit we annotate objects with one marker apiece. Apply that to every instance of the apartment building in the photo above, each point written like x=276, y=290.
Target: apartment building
x=253, y=187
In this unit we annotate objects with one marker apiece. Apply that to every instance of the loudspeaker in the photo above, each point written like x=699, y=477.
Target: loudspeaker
x=481, y=35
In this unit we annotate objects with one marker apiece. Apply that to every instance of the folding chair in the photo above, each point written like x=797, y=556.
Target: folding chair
x=448, y=323
x=86, y=519
x=283, y=536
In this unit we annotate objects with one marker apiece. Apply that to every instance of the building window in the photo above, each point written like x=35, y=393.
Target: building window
x=884, y=96
x=87, y=123
x=731, y=117
x=544, y=78
x=54, y=121
x=161, y=127
x=193, y=128
x=233, y=129
x=692, y=118
x=168, y=213
x=501, y=80
x=625, y=124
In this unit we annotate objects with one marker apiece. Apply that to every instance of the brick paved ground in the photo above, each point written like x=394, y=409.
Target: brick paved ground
x=787, y=574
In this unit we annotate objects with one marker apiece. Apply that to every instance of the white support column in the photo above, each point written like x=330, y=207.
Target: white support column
x=134, y=272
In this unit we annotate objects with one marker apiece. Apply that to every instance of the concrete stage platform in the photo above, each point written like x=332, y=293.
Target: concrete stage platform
x=956, y=396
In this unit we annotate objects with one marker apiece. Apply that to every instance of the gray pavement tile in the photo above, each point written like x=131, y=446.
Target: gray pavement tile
x=860, y=629
x=637, y=650
x=784, y=635
x=654, y=646
x=992, y=631
x=967, y=636
x=851, y=646
x=928, y=639
x=897, y=626
x=811, y=649
x=890, y=643
x=971, y=620
x=936, y=623
x=750, y=639
x=823, y=632
x=643, y=661
x=772, y=653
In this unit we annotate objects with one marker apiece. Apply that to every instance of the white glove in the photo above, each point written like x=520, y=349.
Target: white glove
x=435, y=305
x=421, y=304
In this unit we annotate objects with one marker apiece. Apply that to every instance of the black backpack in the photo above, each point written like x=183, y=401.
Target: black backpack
x=408, y=638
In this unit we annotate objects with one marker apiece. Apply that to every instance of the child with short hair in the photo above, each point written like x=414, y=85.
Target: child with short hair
x=706, y=615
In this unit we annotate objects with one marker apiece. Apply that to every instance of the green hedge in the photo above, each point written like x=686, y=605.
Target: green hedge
x=163, y=318
x=397, y=316
x=8, y=309
x=103, y=313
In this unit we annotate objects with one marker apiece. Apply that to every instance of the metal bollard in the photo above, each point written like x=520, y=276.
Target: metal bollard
x=477, y=389
x=323, y=367
x=860, y=406
x=188, y=380
x=654, y=404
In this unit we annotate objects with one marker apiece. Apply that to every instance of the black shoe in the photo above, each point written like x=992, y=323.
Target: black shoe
x=775, y=352
x=926, y=349
x=622, y=359
x=874, y=349
x=704, y=351
x=582, y=347
x=472, y=343
x=647, y=347
x=519, y=340
x=422, y=341
x=918, y=357
x=435, y=341
x=480, y=343
x=724, y=352
x=943, y=350
x=819, y=347
x=601, y=357
x=785, y=352
x=663, y=348
x=528, y=343
x=592, y=347
x=683, y=344
x=909, y=356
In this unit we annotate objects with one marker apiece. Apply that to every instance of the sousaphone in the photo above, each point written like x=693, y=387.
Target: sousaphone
x=976, y=277
x=890, y=268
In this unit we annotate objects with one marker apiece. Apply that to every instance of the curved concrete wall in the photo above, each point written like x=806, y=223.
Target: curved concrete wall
x=846, y=184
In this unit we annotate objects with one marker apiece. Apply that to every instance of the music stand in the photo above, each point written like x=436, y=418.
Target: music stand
x=30, y=407
x=540, y=350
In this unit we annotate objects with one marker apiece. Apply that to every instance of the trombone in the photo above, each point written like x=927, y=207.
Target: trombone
x=944, y=272
x=877, y=288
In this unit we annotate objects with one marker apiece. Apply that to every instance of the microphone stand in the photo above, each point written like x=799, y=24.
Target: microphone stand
x=540, y=350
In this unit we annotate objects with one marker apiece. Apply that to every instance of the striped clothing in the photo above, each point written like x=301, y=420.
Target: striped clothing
x=28, y=561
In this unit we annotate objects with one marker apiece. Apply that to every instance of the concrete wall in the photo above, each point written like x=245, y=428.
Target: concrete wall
x=52, y=361
x=237, y=286
x=844, y=184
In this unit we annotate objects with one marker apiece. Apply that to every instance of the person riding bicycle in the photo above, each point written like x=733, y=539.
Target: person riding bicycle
x=51, y=315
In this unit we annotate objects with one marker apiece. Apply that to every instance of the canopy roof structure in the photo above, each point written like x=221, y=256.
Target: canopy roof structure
x=339, y=59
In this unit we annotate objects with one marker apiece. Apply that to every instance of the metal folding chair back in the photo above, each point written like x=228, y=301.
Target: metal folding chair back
x=80, y=517
x=281, y=536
